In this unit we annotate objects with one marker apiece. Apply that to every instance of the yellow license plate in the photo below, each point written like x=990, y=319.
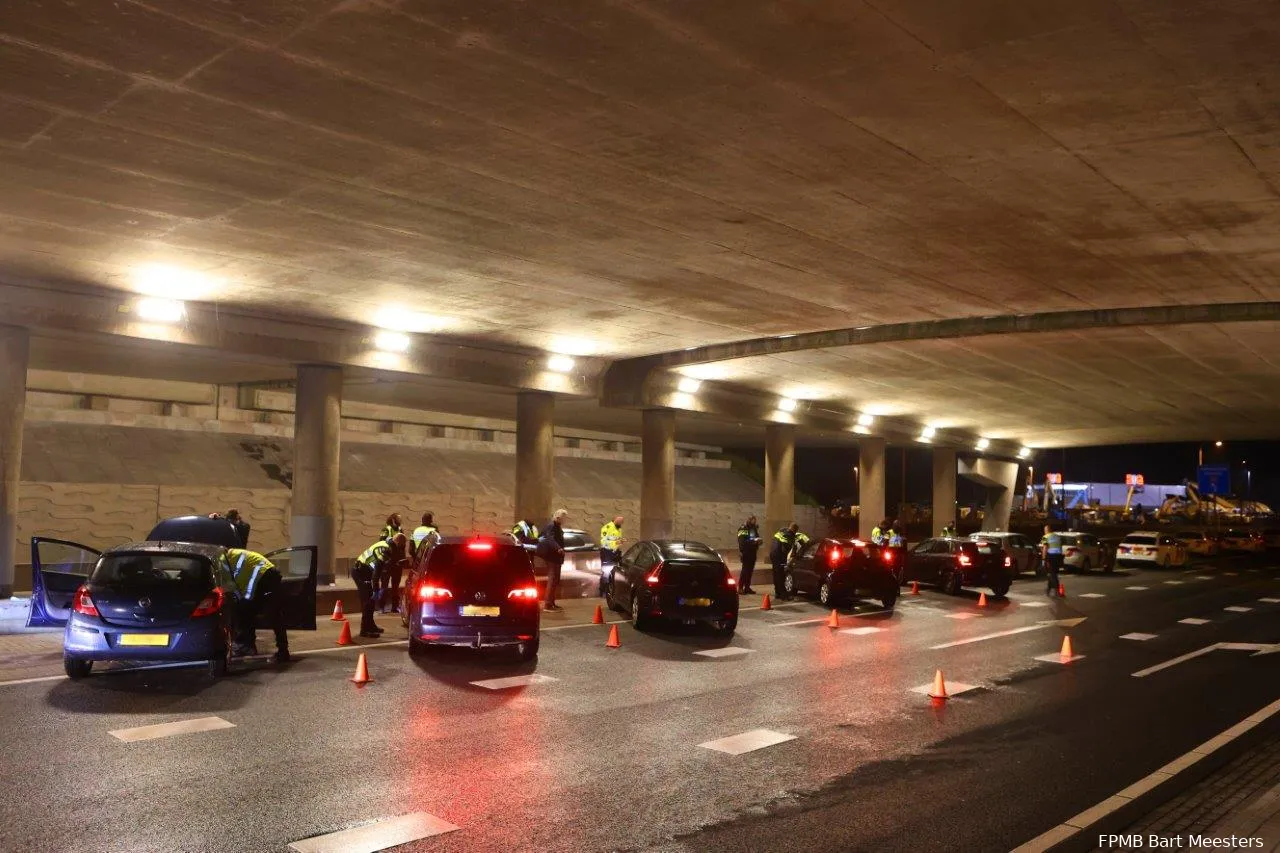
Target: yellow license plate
x=476, y=610
x=144, y=639
x=697, y=602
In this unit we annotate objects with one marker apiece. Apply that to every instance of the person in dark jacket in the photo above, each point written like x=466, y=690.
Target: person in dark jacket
x=748, y=548
x=551, y=550
x=783, y=542
x=241, y=526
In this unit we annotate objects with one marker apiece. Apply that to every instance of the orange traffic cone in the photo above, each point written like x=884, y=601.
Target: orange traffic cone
x=1062, y=590
x=833, y=621
x=338, y=615
x=1066, y=652
x=344, y=637
x=939, y=689
x=982, y=599
x=915, y=587
x=765, y=603
x=362, y=671
x=613, y=641
x=598, y=618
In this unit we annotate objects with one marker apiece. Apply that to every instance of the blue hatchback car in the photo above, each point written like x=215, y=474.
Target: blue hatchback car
x=157, y=600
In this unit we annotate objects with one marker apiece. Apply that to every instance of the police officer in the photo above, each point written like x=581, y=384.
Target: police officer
x=748, y=548
x=784, y=541
x=949, y=529
x=392, y=527
x=611, y=542
x=895, y=539
x=366, y=572
x=423, y=530
x=1051, y=553
x=258, y=580
x=880, y=533
x=525, y=533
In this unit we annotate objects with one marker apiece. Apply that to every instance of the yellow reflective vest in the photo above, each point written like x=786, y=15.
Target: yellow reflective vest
x=246, y=567
x=610, y=537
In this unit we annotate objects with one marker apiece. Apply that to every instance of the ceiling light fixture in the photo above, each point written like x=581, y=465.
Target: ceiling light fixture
x=689, y=385
x=560, y=363
x=787, y=404
x=862, y=430
x=159, y=310
x=386, y=341
x=983, y=443
x=866, y=419
x=928, y=432
x=1024, y=453
x=397, y=319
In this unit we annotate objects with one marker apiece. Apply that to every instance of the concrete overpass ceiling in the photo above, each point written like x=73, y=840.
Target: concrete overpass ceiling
x=644, y=177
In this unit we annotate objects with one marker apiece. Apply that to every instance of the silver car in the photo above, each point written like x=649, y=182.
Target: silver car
x=1083, y=552
x=1024, y=552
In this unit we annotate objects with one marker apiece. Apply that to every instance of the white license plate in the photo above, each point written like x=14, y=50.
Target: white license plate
x=477, y=610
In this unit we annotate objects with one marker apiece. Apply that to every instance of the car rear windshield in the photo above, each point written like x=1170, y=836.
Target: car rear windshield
x=984, y=546
x=681, y=572
x=178, y=573
x=472, y=560
x=691, y=551
x=1140, y=538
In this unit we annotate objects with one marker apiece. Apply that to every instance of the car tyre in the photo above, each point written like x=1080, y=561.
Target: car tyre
x=825, y=596
x=1086, y=566
x=528, y=650
x=889, y=599
x=1000, y=590
x=789, y=584
x=951, y=582
x=639, y=620
x=220, y=660
x=417, y=648
x=610, y=602
x=77, y=668
x=727, y=627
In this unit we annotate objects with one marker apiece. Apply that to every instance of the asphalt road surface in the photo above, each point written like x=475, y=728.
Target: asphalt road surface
x=606, y=752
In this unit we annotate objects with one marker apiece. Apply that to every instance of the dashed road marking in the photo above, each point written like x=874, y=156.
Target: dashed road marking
x=1238, y=609
x=376, y=836
x=962, y=615
x=1092, y=595
x=1136, y=588
x=513, y=681
x=1204, y=577
x=858, y=632
x=800, y=622
x=954, y=688
x=1032, y=603
x=1191, y=620
x=727, y=651
x=1174, y=583
x=747, y=741
x=1137, y=635
x=1270, y=600
x=182, y=727
x=1058, y=657
x=1232, y=574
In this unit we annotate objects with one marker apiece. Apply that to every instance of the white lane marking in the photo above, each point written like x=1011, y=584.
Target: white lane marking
x=1174, y=583
x=1136, y=588
x=513, y=681
x=1008, y=633
x=954, y=688
x=17, y=681
x=801, y=622
x=858, y=632
x=727, y=651
x=354, y=647
x=1033, y=604
x=1232, y=574
x=1073, y=826
x=1092, y=595
x=747, y=741
x=1204, y=577
x=373, y=837
x=1236, y=609
x=962, y=615
x=1191, y=620
x=1256, y=648
x=182, y=727
x=1058, y=657
x=1138, y=635
x=1270, y=600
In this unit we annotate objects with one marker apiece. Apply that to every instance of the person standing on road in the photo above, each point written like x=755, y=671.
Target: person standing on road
x=551, y=550
x=366, y=573
x=392, y=574
x=241, y=526
x=748, y=548
x=783, y=542
x=258, y=580
x=949, y=529
x=611, y=542
x=392, y=527
x=422, y=531
x=880, y=532
x=1051, y=552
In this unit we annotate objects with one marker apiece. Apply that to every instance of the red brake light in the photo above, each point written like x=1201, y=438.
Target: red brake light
x=833, y=557
x=209, y=605
x=964, y=560
x=887, y=555
x=1008, y=561
x=479, y=546
x=653, y=579
x=83, y=604
x=528, y=593
x=433, y=593
x=730, y=582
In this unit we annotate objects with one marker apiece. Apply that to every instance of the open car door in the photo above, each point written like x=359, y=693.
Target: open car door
x=297, y=567
x=58, y=569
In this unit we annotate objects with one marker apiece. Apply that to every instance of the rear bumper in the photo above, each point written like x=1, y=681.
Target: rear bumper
x=475, y=634
x=86, y=638
x=986, y=577
x=875, y=585
x=718, y=611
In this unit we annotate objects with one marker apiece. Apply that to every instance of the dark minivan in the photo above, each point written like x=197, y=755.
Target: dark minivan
x=675, y=581
x=476, y=592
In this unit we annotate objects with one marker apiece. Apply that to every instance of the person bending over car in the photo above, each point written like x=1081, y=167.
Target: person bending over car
x=258, y=580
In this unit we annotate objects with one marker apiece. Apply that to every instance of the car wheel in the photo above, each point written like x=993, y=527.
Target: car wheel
x=951, y=583
x=220, y=660
x=789, y=583
x=1086, y=566
x=417, y=648
x=727, y=627
x=77, y=668
x=528, y=650
x=609, y=601
x=824, y=594
x=889, y=599
x=638, y=619
x=1000, y=590
x=1166, y=564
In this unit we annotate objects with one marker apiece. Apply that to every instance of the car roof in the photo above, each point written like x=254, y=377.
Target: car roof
x=684, y=548
x=195, y=528
x=152, y=547
x=1143, y=534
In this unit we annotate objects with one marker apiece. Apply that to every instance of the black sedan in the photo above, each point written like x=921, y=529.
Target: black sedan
x=954, y=563
x=674, y=581
x=837, y=570
x=475, y=592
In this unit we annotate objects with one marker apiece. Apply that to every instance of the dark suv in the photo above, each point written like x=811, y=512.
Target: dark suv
x=838, y=570
x=953, y=563
x=476, y=592
x=674, y=581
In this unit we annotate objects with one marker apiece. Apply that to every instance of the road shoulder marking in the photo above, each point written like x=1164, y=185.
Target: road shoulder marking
x=181, y=727
x=726, y=652
x=747, y=741
x=513, y=681
x=1192, y=620
x=954, y=688
x=376, y=836
x=1138, y=635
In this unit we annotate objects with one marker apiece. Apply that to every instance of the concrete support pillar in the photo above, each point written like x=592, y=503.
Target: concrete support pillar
x=658, y=470
x=944, y=488
x=870, y=484
x=535, y=456
x=779, y=477
x=1001, y=481
x=317, y=445
x=15, y=349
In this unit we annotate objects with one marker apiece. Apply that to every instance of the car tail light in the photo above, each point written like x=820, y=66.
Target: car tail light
x=1070, y=552
x=653, y=578
x=833, y=557
x=481, y=546
x=210, y=604
x=83, y=604
x=527, y=593
x=964, y=560
x=887, y=555
x=729, y=581
x=1008, y=561
x=433, y=593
